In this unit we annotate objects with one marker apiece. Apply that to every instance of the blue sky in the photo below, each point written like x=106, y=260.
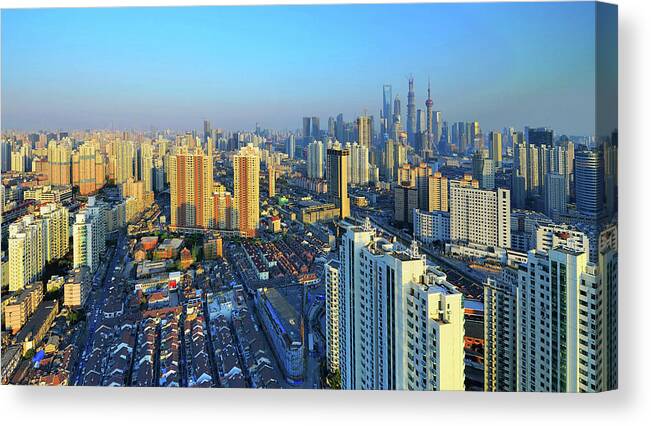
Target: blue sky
x=501, y=64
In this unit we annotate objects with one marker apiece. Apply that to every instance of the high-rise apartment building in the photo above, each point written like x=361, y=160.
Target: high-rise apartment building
x=551, y=236
x=271, y=175
x=123, y=154
x=557, y=348
x=225, y=213
x=246, y=170
x=405, y=201
x=146, y=166
x=500, y=332
x=27, y=251
x=358, y=166
x=59, y=157
x=437, y=193
x=191, y=189
x=479, y=216
x=548, y=325
x=555, y=195
x=331, y=278
x=315, y=160
x=401, y=324
x=483, y=169
x=57, y=230
x=88, y=168
x=89, y=236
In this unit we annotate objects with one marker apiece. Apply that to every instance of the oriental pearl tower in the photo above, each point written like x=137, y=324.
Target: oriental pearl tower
x=427, y=149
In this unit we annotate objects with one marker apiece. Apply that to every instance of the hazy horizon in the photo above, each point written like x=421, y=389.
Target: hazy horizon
x=171, y=67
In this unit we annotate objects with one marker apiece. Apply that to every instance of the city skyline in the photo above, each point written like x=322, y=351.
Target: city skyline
x=372, y=250
x=170, y=67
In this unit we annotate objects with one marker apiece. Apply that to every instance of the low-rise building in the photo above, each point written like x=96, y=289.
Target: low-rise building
x=10, y=358
x=77, y=288
x=284, y=326
x=32, y=334
x=21, y=306
x=311, y=211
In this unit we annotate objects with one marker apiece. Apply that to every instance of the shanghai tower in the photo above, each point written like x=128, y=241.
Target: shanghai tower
x=411, y=114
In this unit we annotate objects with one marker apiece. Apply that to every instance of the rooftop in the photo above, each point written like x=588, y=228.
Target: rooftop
x=284, y=314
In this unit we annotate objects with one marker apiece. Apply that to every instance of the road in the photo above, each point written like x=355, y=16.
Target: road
x=96, y=301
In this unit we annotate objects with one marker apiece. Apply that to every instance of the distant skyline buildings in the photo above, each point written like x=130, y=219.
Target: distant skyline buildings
x=121, y=85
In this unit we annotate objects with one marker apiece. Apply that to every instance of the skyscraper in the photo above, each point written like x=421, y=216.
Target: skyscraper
x=122, y=159
x=483, y=169
x=290, y=146
x=500, y=332
x=562, y=291
x=405, y=201
x=27, y=251
x=423, y=172
x=59, y=157
x=246, y=170
x=191, y=189
x=331, y=127
x=207, y=132
x=224, y=212
x=315, y=160
x=495, y=148
x=589, y=183
x=147, y=165
x=364, y=135
x=57, y=230
x=272, y=181
x=540, y=136
x=555, y=199
x=339, y=129
x=338, y=179
x=89, y=171
x=89, y=235
x=358, y=166
x=315, y=132
x=549, y=324
x=331, y=277
x=5, y=156
x=392, y=332
x=307, y=130
x=437, y=193
x=396, y=120
x=411, y=113
x=387, y=100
